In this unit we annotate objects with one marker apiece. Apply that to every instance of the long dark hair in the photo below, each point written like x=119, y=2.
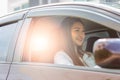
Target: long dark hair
x=68, y=45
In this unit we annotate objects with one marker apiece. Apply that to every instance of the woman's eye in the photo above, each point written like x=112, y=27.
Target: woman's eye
x=76, y=30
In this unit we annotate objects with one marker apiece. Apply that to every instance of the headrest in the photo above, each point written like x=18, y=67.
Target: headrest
x=90, y=42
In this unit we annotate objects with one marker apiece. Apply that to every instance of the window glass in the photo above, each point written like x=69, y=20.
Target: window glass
x=6, y=34
x=59, y=40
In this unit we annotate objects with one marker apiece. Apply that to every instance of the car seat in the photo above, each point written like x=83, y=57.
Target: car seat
x=90, y=43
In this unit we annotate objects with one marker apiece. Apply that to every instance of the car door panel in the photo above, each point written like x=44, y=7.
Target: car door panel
x=4, y=70
x=26, y=71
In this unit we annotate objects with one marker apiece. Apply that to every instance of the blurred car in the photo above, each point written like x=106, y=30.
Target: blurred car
x=18, y=58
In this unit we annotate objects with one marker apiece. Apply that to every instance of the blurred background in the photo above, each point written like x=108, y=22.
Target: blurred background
x=8, y=6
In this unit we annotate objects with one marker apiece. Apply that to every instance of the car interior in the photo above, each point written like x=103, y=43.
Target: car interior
x=95, y=31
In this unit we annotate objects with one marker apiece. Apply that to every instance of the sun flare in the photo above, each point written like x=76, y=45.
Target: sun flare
x=40, y=43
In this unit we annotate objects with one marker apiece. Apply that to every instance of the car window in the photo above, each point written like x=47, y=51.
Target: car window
x=6, y=34
x=57, y=39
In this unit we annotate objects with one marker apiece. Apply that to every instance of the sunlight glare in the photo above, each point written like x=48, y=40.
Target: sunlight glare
x=40, y=43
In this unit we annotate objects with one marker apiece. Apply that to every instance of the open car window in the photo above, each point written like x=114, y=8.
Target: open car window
x=48, y=37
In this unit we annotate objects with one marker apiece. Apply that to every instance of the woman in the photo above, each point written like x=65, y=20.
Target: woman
x=72, y=53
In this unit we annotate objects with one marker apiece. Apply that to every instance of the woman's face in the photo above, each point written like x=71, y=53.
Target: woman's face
x=77, y=32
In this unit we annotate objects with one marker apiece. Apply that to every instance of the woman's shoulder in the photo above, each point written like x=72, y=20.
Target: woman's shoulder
x=61, y=57
x=62, y=54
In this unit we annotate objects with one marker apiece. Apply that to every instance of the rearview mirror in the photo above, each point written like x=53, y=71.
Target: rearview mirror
x=107, y=53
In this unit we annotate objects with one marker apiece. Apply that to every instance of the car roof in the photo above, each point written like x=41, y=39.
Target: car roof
x=88, y=4
x=99, y=8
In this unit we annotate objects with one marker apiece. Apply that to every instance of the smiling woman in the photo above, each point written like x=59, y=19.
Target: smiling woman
x=72, y=52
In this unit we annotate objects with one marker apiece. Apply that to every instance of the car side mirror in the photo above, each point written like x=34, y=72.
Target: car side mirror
x=107, y=53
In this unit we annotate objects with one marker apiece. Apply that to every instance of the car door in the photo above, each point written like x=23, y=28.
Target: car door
x=8, y=34
x=27, y=66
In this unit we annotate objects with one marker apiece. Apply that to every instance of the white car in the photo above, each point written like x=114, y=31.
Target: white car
x=20, y=58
